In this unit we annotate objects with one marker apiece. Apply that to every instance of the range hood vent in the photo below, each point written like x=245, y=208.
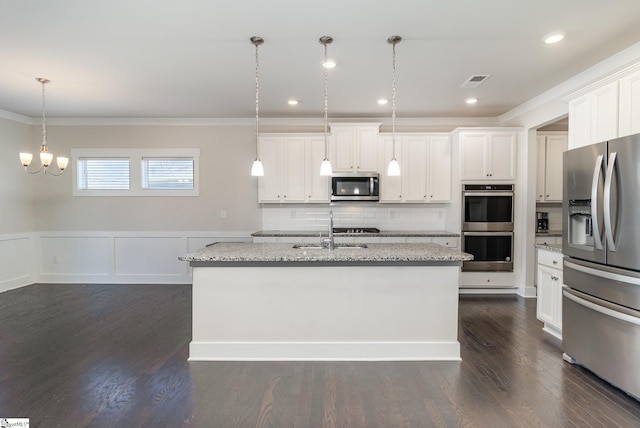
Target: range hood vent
x=475, y=80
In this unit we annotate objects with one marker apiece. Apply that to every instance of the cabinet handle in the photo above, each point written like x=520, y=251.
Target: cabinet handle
x=555, y=262
x=539, y=196
x=547, y=196
x=554, y=278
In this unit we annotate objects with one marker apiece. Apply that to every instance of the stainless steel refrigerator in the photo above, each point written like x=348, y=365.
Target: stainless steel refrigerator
x=601, y=292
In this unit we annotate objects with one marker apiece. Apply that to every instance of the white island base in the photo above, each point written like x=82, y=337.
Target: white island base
x=362, y=312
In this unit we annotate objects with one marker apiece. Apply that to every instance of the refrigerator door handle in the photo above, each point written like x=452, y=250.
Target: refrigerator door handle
x=599, y=306
x=595, y=224
x=603, y=272
x=608, y=227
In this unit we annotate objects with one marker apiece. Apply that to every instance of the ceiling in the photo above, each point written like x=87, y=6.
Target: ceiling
x=193, y=59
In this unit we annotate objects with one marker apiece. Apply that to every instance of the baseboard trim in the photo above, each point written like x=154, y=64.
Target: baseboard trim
x=324, y=351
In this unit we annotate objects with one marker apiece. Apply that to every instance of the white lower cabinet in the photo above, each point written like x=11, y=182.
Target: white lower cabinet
x=549, y=276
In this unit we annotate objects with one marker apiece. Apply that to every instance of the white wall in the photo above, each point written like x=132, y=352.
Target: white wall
x=16, y=206
x=226, y=154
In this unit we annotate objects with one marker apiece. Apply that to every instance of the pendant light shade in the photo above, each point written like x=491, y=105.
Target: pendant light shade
x=325, y=166
x=394, y=166
x=257, y=169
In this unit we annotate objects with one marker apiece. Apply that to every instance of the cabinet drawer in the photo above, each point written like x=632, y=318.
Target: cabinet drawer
x=446, y=241
x=550, y=258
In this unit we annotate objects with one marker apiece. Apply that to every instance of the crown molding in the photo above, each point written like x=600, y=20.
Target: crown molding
x=15, y=117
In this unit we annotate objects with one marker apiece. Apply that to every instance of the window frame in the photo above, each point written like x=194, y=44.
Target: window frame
x=135, y=157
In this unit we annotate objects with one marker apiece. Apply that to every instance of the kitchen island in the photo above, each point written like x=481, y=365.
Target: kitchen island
x=277, y=302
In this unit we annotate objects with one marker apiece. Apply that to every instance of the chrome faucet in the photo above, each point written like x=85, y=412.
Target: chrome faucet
x=329, y=242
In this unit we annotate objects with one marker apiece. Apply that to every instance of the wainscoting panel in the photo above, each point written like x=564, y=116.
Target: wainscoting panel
x=143, y=255
x=120, y=257
x=16, y=255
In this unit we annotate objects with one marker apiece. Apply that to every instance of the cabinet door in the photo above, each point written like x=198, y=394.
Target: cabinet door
x=413, y=169
x=367, y=149
x=317, y=186
x=604, y=113
x=540, y=170
x=557, y=298
x=343, y=151
x=269, y=185
x=546, y=309
x=294, y=169
x=630, y=105
x=555, y=146
x=390, y=187
x=472, y=156
x=580, y=122
x=439, y=170
x=501, y=154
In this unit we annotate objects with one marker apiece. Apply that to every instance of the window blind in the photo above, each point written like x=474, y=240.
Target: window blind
x=103, y=174
x=167, y=173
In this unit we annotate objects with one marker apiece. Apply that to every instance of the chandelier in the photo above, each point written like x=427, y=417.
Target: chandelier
x=45, y=156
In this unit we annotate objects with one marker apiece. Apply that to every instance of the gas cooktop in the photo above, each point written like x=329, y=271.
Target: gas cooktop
x=356, y=230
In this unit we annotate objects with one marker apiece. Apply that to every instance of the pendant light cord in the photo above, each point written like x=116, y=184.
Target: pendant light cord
x=257, y=101
x=393, y=100
x=44, y=116
x=326, y=106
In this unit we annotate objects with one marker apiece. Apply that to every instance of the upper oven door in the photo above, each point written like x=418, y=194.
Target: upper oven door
x=487, y=211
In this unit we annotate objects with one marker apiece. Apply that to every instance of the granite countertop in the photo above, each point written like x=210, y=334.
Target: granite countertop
x=397, y=233
x=550, y=247
x=248, y=252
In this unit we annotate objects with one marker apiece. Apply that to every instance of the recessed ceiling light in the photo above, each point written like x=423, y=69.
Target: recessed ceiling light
x=329, y=63
x=471, y=100
x=383, y=101
x=292, y=102
x=553, y=37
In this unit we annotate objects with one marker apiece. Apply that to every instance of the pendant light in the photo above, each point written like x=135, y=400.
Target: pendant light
x=45, y=156
x=257, y=169
x=325, y=166
x=394, y=167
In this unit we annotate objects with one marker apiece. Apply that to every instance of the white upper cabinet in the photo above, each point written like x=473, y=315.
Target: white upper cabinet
x=549, y=173
x=630, y=104
x=425, y=169
x=354, y=147
x=292, y=169
x=606, y=110
x=593, y=117
x=316, y=185
x=487, y=155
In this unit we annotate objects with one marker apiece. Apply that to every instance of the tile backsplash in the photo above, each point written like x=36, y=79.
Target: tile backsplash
x=310, y=217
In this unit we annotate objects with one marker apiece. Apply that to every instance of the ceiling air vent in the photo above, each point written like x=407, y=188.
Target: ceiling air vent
x=475, y=80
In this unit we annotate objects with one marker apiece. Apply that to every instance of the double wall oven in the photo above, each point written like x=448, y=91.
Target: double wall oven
x=487, y=226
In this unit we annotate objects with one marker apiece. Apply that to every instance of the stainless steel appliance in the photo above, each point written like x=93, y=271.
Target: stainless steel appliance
x=601, y=292
x=487, y=227
x=542, y=222
x=355, y=187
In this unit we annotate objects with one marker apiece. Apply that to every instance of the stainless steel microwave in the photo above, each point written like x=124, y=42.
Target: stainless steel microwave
x=355, y=187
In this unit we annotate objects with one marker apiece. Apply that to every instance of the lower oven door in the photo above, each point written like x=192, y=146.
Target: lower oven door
x=492, y=251
x=603, y=337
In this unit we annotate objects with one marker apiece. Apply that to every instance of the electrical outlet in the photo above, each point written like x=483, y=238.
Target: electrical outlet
x=54, y=259
x=223, y=214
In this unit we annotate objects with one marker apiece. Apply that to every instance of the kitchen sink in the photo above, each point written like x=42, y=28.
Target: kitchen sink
x=324, y=247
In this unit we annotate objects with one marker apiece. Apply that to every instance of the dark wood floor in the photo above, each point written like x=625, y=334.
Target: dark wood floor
x=116, y=356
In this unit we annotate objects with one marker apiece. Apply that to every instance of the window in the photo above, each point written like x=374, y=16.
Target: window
x=135, y=172
x=103, y=174
x=166, y=173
